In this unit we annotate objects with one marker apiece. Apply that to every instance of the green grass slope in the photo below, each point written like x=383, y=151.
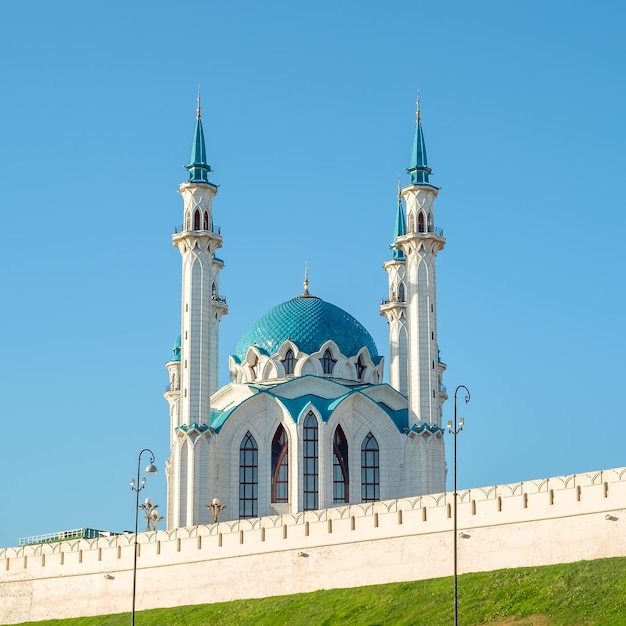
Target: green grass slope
x=588, y=593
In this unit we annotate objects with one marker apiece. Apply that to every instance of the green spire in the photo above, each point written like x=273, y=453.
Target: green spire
x=400, y=229
x=418, y=169
x=198, y=168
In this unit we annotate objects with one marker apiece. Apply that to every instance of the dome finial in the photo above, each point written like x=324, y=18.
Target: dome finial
x=199, y=109
x=306, y=279
x=418, y=115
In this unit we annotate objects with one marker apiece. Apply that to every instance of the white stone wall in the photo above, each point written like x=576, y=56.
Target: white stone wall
x=539, y=522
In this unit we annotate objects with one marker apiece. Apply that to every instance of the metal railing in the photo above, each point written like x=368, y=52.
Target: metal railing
x=216, y=230
x=78, y=533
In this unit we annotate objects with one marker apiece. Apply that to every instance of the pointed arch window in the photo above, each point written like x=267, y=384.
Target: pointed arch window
x=370, y=469
x=411, y=223
x=328, y=362
x=196, y=220
x=420, y=222
x=280, y=466
x=289, y=362
x=310, y=464
x=430, y=222
x=360, y=367
x=205, y=221
x=213, y=291
x=341, y=482
x=248, y=477
x=401, y=293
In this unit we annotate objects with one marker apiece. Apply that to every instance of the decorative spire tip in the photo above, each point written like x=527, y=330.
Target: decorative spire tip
x=199, y=109
x=306, y=279
x=418, y=115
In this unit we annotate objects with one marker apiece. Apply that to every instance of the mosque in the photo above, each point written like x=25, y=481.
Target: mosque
x=306, y=422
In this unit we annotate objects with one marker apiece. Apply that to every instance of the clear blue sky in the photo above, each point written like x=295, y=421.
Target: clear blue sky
x=308, y=112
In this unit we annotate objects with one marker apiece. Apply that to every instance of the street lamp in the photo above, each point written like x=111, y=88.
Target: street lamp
x=216, y=507
x=152, y=514
x=458, y=427
x=137, y=487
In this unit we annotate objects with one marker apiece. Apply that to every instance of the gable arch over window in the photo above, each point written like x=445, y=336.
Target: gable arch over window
x=280, y=466
x=310, y=463
x=370, y=469
x=341, y=477
x=248, y=477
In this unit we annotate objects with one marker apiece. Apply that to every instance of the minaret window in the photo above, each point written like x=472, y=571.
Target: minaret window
x=213, y=292
x=328, y=362
x=280, y=466
x=205, y=222
x=420, y=222
x=370, y=469
x=248, y=477
x=289, y=363
x=430, y=222
x=411, y=223
x=310, y=474
x=196, y=220
x=341, y=484
x=360, y=368
x=401, y=294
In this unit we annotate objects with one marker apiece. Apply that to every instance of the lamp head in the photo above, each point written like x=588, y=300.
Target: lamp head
x=449, y=424
x=151, y=469
x=461, y=422
x=216, y=501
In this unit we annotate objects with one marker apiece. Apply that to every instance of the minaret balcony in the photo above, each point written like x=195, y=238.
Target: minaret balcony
x=215, y=230
x=423, y=229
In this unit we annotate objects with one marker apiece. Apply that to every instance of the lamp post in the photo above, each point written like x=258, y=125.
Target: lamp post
x=152, y=514
x=216, y=507
x=458, y=427
x=137, y=487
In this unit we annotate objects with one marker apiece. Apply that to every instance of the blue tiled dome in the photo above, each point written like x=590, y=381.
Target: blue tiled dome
x=308, y=322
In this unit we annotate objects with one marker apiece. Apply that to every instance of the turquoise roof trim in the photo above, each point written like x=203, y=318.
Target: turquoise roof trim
x=176, y=350
x=198, y=168
x=418, y=168
x=399, y=230
x=308, y=322
x=325, y=407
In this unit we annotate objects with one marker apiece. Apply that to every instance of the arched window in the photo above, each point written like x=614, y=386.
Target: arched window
x=401, y=294
x=205, y=223
x=248, y=477
x=213, y=291
x=360, y=367
x=280, y=466
x=289, y=363
x=411, y=223
x=196, y=220
x=328, y=362
x=310, y=470
x=430, y=222
x=370, y=470
x=420, y=222
x=341, y=482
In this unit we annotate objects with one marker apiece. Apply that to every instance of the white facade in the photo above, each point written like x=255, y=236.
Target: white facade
x=538, y=522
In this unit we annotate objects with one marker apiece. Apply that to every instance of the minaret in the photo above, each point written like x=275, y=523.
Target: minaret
x=394, y=307
x=202, y=310
x=420, y=245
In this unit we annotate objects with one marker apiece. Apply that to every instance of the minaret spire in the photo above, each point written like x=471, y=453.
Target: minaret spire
x=418, y=167
x=198, y=168
x=400, y=227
